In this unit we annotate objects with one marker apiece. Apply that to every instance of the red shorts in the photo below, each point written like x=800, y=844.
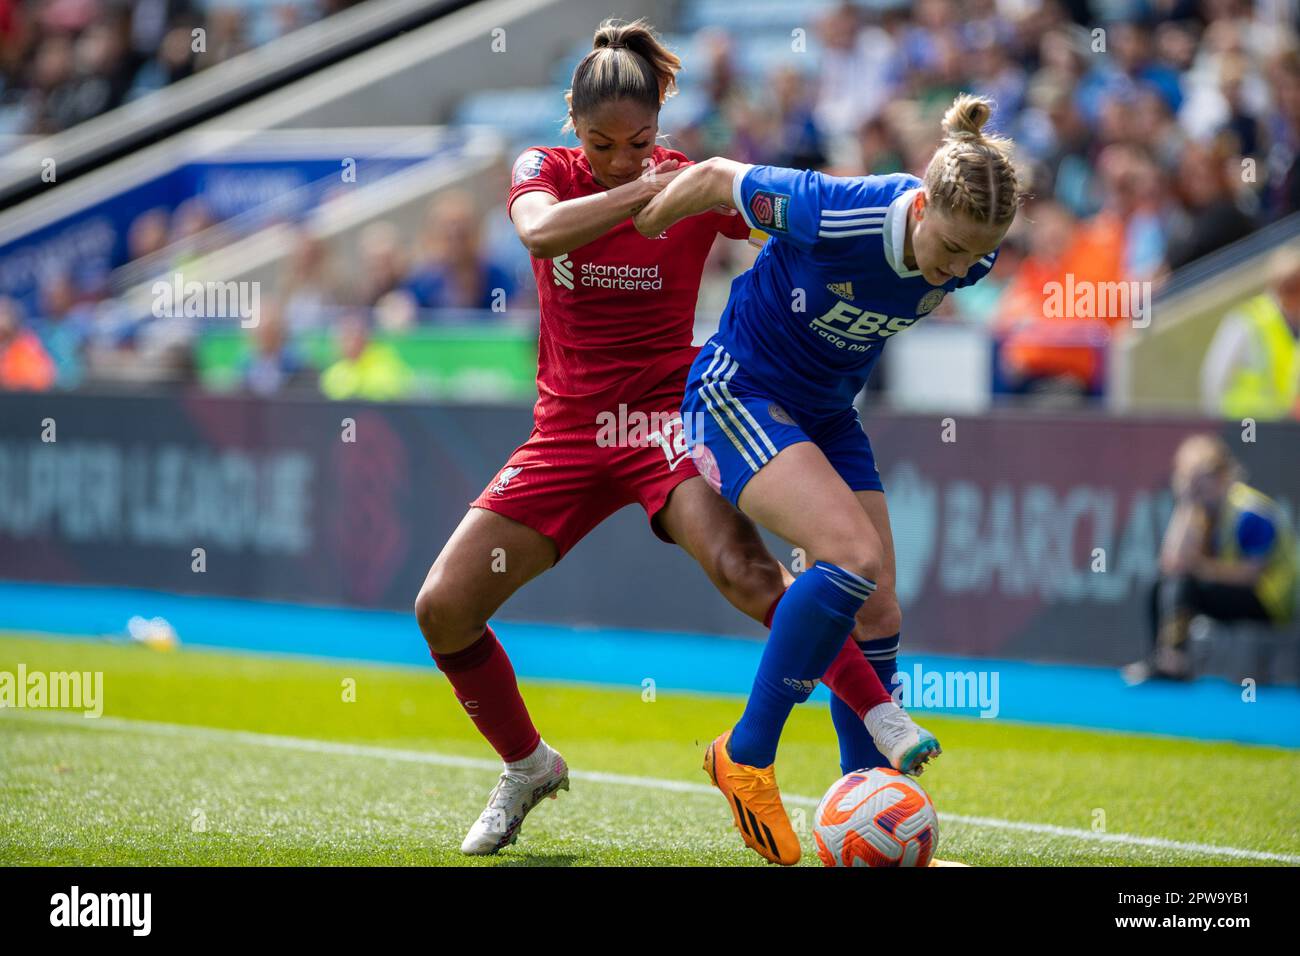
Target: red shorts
x=564, y=483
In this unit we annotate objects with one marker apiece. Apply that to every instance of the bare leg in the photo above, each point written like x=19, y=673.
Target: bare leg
x=800, y=496
x=881, y=616
x=488, y=558
x=727, y=546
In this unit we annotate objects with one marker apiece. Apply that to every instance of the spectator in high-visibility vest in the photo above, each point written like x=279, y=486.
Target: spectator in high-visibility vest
x=1228, y=553
x=1252, y=369
x=368, y=370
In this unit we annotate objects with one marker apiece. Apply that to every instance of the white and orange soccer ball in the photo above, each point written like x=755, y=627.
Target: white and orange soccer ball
x=876, y=817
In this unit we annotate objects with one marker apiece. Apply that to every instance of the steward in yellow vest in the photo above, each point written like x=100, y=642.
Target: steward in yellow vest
x=1269, y=388
x=1228, y=553
x=1252, y=528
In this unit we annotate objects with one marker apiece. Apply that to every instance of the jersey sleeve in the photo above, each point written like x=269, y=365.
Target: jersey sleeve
x=808, y=208
x=537, y=170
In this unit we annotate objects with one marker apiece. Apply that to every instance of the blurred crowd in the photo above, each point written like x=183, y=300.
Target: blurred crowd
x=352, y=295
x=1149, y=134
x=65, y=61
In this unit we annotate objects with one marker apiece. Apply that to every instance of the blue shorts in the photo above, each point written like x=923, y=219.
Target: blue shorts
x=735, y=427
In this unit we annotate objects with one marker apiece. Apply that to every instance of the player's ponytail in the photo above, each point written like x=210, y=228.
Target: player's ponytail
x=627, y=62
x=971, y=173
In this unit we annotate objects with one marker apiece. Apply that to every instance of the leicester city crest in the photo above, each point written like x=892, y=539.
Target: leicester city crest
x=930, y=301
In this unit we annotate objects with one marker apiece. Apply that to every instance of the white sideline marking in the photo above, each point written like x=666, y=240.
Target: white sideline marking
x=307, y=745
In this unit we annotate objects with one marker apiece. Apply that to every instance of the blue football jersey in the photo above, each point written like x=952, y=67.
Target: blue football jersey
x=811, y=317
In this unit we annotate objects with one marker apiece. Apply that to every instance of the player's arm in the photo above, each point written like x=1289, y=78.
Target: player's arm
x=548, y=227
x=1244, y=573
x=1184, y=539
x=696, y=189
x=1256, y=535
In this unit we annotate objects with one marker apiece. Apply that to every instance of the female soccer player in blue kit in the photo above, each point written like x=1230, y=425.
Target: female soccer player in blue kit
x=850, y=262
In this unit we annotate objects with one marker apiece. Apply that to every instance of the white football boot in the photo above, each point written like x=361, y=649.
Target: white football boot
x=898, y=737
x=522, y=786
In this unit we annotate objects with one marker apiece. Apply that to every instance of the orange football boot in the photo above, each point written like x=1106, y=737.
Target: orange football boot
x=755, y=803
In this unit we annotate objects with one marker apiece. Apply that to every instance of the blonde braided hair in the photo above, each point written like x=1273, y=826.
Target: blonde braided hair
x=971, y=174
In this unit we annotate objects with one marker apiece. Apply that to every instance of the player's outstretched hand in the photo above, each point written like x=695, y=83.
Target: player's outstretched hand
x=657, y=175
x=695, y=188
x=654, y=179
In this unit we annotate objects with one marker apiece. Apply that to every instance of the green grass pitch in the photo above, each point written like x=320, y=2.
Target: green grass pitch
x=209, y=758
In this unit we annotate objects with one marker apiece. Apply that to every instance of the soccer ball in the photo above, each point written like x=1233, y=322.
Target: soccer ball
x=876, y=817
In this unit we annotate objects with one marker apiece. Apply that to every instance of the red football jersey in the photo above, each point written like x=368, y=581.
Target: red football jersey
x=617, y=314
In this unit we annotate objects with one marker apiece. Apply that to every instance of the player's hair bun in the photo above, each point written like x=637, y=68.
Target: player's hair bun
x=966, y=117
x=971, y=173
x=627, y=61
x=613, y=34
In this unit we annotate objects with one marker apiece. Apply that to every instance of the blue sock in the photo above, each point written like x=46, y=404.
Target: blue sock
x=807, y=632
x=857, y=749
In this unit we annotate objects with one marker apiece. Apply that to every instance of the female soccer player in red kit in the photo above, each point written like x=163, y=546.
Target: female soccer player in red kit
x=617, y=314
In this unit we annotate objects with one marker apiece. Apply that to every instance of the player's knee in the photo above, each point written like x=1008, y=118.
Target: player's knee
x=879, y=617
x=857, y=558
x=747, y=574
x=443, y=619
x=429, y=613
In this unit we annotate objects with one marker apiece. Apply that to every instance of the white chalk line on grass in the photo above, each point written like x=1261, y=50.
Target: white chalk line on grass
x=336, y=748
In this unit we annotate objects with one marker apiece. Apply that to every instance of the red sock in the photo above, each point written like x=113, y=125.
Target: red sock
x=850, y=677
x=485, y=685
x=853, y=680
x=771, y=612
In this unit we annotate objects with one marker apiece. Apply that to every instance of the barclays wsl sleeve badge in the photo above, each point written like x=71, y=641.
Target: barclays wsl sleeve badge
x=770, y=210
x=529, y=165
x=930, y=301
